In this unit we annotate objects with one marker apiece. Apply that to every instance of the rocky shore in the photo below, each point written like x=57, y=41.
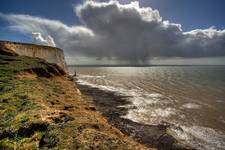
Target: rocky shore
x=41, y=108
x=150, y=135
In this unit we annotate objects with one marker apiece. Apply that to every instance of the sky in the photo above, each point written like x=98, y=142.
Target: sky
x=124, y=32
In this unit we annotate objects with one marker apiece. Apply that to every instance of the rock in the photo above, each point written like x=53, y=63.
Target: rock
x=166, y=141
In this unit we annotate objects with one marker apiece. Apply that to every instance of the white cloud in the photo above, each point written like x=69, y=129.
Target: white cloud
x=123, y=31
x=39, y=39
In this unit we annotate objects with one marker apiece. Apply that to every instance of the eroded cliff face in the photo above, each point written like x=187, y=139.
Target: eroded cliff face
x=50, y=54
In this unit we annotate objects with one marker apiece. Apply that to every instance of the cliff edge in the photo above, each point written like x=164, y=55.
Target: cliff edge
x=50, y=54
x=41, y=108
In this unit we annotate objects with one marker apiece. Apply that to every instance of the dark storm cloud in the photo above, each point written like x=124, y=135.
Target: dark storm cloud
x=127, y=32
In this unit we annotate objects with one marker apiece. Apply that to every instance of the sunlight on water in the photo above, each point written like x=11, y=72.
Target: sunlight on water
x=190, y=97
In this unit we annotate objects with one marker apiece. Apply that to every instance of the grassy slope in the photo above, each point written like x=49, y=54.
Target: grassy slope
x=40, y=108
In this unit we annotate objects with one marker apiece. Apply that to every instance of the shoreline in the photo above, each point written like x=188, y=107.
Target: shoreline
x=108, y=102
x=42, y=108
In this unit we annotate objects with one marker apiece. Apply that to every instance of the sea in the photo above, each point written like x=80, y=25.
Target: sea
x=192, y=97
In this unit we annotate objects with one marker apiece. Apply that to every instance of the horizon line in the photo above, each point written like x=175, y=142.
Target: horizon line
x=138, y=65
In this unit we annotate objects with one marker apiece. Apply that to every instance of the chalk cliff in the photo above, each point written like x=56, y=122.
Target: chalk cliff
x=50, y=54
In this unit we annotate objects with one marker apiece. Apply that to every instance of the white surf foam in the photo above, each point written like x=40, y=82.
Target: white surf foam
x=137, y=96
x=90, y=76
x=141, y=100
x=164, y=112
x=152, y=116
x=191, y=106
x=102, y=87
x=201, y=137
x=219, y=101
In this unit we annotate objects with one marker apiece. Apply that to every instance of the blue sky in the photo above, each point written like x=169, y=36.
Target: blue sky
x=191, y=14
x=53, y=9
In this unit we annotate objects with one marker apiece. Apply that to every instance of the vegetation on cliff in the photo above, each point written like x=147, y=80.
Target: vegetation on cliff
x=41, y=108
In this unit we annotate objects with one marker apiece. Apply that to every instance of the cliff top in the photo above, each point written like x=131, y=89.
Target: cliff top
x=41, y=108
x=50, y=54
x=29, y=44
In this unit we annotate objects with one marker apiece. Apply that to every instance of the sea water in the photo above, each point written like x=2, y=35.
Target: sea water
x=192, y=97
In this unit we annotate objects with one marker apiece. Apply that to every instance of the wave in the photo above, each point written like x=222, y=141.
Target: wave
x=191, y=106
x=151, y=108
x=102, y=87
x=147, y=105
x=201, y=137
x=137, y=96
x=90, y=76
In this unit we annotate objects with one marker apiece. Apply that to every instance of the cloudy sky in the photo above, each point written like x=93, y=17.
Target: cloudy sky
x=121, y=32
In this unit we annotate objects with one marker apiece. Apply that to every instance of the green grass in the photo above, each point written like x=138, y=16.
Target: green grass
x=18, y=106
x=24, y=103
